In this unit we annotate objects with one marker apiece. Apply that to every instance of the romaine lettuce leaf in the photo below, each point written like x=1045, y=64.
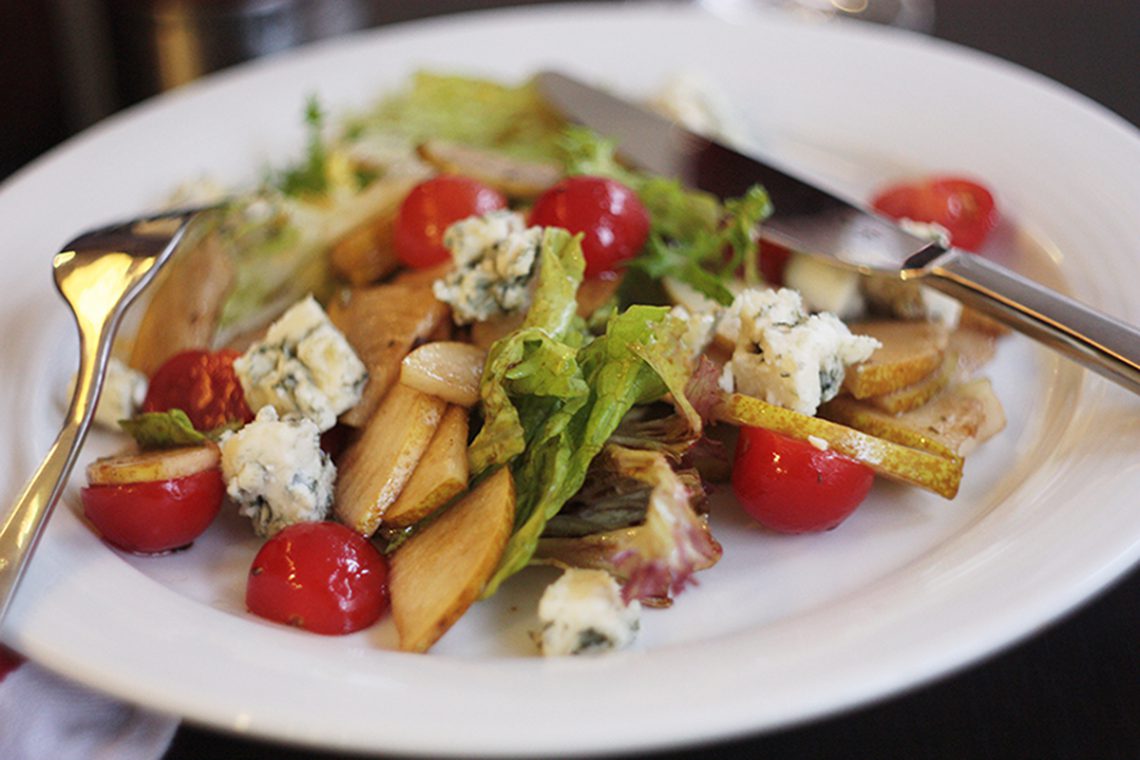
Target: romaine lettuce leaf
x=534, y=371
x=562, y=436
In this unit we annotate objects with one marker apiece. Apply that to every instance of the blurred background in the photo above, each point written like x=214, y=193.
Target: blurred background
x=65, y=64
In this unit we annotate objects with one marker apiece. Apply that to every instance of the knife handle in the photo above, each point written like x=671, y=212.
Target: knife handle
x=1098, y=341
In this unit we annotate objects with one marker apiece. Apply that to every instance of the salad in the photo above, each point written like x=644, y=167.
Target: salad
x=459, y=338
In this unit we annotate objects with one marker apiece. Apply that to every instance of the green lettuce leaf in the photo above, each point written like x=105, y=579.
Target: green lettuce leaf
x=690, y=230
x=163, y=430
x=565, y=436
x=676, y=212
x=310, y=176
x=476, y=112
x=700, y=260
x=534, y=370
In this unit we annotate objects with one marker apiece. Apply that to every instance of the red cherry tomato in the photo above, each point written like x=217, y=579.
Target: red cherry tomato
x=612, y=219
x=965, y=208
x=790, y=486
x=430, y=208
x=155, y=516
x=202, y=384
x=321, y=577
x=773, y=261
x=9, y=661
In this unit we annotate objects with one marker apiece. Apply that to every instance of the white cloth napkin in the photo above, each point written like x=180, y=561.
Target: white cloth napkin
x=45, y=717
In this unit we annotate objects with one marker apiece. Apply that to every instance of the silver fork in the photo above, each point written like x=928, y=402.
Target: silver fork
x=99, y=274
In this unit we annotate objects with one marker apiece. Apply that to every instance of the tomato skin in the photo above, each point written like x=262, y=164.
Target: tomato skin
x=790, y=486
x=204, y=385
x=151, y=517
x=773, y=262
x=612, y=219
x=964, y=207
x=430, y=208
x=320, y=576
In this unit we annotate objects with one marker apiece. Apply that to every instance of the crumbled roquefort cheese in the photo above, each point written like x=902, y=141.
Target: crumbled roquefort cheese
x=124, y=390
x=304, y=366
x=583, y=613
x=495, y=256
x=277, y=473
x=787, y=357
x=699, y=329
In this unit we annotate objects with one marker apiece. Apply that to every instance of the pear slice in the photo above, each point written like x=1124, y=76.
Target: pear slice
x=937, y=472
x=910, y=352
x=382, y=323
x=441, y=474
x=147, y=466
x=377, y=466
x=507, y=174
x=952, y=424
x=975, y=348
x=913, y=396
x=367, y=253
x=441, y=570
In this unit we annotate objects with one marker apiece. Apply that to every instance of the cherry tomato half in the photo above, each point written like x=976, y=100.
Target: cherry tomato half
x=202, y=384
x=433, y=206
x=790, y=486
x=612, y=219
x=155, y=516
x=9, y=661
x=965, y=208
x=321, y=576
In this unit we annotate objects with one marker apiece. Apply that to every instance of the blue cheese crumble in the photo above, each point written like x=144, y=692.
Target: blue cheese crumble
x=124, y=390
x=583, y=613
x=304, y=366
x=494, y=257
x=277, y=473
x=787, y=357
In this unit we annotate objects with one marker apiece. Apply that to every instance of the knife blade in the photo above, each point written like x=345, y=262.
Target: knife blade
x=811, y=220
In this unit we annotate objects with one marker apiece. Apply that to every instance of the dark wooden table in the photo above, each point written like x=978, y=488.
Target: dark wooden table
x=1071, y=690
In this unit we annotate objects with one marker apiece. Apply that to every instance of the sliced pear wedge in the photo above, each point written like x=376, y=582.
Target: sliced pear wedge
x=937, y=472
x=377, y=466
x=441, y=474
x=383, y=323
x=913, y=396
x=440, y=571
x=147, y=466
x=910, y=352
x=951, y=424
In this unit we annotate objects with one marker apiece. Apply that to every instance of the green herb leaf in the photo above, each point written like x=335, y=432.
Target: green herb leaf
x=310, y=177
x=163, y=430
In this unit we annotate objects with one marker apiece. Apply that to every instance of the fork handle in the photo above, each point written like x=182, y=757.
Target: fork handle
x=23, y=525
x=1100, y=342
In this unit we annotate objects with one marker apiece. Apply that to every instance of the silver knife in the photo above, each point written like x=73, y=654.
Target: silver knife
x=811, y=220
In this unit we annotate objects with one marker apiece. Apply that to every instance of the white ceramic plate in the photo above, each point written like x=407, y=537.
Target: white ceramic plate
x=783, y=629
